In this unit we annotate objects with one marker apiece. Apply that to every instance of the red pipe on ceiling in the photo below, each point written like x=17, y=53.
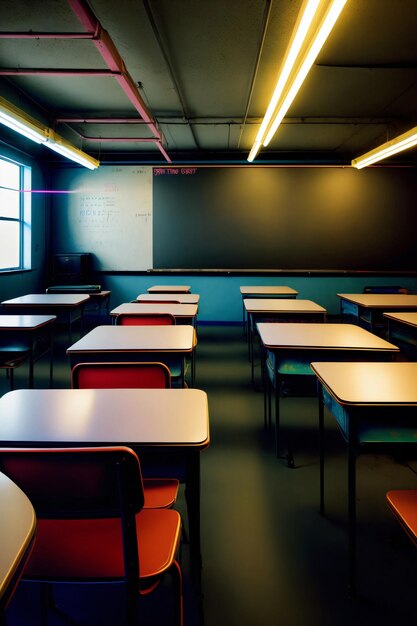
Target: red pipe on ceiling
x=115, y=63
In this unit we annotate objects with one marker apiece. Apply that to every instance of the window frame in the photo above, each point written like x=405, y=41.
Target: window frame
x=24, y=216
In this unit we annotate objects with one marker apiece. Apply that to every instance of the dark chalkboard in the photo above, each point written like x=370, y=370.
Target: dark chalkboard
x=285, y=218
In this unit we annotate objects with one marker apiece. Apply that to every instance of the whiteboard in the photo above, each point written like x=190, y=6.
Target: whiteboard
x=107, y=212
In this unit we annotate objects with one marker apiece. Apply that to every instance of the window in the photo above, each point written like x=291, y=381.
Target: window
x=14, y=216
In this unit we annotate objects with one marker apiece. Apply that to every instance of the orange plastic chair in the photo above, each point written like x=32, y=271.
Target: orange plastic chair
x=145, y=319
x=403, y=504
x=159, y=492
x=91, y=524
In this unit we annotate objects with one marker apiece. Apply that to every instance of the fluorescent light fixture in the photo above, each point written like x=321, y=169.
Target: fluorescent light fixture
x=400, y=143
x=65, y=148
x=314, y=24
x=19, y=121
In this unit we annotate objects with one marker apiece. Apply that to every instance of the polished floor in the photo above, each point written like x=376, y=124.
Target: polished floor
x=269, y=558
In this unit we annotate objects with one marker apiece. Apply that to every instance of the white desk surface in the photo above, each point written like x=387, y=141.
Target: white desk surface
x=409, y=319
x=281, y=305
x=17, y=529
x=268, y=290
x=168, y=417
x=183, y=298
x=369, y=383
x=326, y=336
x=169, y=289
x=381, y=300
x=177, y=310
x=49, y=299
x=25, y=322
x=178, y=338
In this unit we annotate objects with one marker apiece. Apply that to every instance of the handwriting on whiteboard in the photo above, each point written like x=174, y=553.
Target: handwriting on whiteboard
x=174, y=171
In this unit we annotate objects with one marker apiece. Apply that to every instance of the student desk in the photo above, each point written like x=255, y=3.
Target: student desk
x=289, y=349
x=402, y=328
x=17, y=532
x=182, y=298
x=69, y=306
x=169, y=289
x=169, y=344
x=375, y=405
x=279, y=310
x=183, y=313
x=35, y=331
x=99, y=299
x=270, y=291
x=152, y=421
x=366, y=308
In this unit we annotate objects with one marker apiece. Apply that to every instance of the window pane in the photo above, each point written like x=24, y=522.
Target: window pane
x=9, y=174
x=9, y=203
x=9, y=248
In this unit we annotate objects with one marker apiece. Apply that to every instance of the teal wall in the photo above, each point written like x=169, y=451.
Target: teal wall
x=220, y=296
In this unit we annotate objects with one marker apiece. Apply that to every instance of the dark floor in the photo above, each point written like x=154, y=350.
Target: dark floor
x=269, y=558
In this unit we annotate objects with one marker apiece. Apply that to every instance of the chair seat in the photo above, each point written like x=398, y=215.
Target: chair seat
x=92, y=549
x=160, y=493
x=403, y=503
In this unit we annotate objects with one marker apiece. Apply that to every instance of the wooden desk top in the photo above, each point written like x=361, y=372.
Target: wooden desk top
x=169, y=289
x=48, y=299
x=25, y=322
x=369, y=383
x=181, y=338
x=381, y=300
x=281, y=305
x=177, y=310
x=325, y=336
x=17, y=529
x=183, y=298
x=409, y=319
x=268, y=290
x=168, y=417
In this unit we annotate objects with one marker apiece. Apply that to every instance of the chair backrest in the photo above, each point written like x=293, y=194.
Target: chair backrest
x=76, y=482
x=83, y=483
x=385, y=289
x=145, y=319
x=136, y=375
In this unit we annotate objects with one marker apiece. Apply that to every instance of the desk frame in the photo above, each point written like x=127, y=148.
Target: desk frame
x=312, y=312
x=291, y=359
x=50, y=304
x=31, y=328
x=353, y=415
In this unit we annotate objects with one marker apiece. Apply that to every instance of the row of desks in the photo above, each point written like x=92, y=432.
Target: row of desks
x=372, y=397
x=173, y=423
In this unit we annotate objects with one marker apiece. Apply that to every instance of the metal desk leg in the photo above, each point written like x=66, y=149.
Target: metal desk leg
x=352, y=517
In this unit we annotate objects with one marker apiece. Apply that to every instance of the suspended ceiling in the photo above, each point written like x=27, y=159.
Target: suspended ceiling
x=189, y=81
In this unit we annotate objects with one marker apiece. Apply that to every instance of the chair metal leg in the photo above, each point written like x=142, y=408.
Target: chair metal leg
x=352, y=519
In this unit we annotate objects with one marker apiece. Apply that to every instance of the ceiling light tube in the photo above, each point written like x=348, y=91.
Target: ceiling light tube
x=305, y=44
x=65, y=148
x=303, y=24
x=19, y=121
x=400, y=143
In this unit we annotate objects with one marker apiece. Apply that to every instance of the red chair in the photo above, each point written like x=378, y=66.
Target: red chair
x=92, y=526
x=403, y=504
x=145, y=319
x=159, y=492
